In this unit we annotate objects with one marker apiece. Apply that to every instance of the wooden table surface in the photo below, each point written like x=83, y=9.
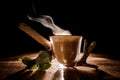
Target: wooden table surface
x=108, y=69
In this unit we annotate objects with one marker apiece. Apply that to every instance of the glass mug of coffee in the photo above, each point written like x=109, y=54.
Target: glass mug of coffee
x=66, y=48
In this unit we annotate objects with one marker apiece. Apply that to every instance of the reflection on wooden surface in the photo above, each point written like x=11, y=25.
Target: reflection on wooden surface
x=109, y=69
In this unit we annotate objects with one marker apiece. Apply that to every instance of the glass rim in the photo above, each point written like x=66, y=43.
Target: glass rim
x=66, y=35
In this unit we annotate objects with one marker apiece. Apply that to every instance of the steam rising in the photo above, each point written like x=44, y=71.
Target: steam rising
x=48, y=22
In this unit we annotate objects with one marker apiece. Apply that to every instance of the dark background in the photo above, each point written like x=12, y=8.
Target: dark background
x=94, y=20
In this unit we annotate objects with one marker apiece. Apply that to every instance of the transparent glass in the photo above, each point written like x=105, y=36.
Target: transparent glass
x=66, y=48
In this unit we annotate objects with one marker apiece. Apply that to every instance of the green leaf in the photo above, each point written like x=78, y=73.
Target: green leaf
x=46, y=60
x=42, y=62
x=45, y=66
x=25, y=59
x=33, y=65
x=43, y=55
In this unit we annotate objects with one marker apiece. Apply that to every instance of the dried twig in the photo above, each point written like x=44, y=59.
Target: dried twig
x=87, y=51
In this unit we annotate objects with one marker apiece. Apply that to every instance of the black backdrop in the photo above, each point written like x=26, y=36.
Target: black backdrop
x=95, y=21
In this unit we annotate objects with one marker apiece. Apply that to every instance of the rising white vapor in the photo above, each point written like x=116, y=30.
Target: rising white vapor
x=48, y=22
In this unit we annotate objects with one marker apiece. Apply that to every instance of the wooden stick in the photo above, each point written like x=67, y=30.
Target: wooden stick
x=40, y=39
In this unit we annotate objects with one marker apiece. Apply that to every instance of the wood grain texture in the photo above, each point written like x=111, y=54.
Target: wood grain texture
x=108, y=69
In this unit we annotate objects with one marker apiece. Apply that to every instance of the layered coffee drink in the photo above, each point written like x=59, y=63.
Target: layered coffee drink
x=66, y=48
